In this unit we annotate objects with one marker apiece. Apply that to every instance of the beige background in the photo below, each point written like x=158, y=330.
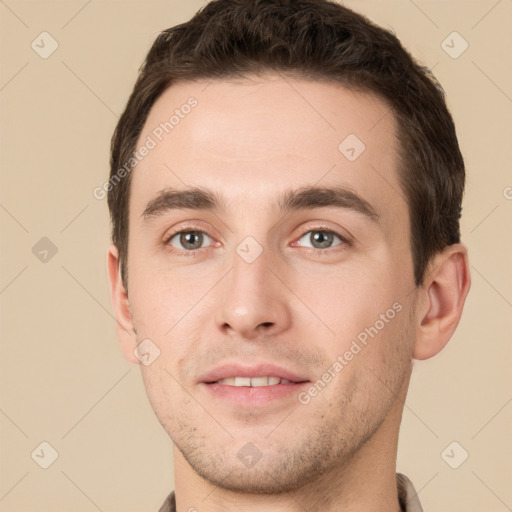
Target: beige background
x=62, y=376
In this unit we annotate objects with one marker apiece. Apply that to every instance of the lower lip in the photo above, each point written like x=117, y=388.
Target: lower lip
x=248, y=395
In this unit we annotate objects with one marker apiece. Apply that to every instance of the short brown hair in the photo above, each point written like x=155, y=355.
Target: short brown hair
x=319, y=40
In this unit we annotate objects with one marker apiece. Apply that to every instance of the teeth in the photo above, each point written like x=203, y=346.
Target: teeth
x=230, y=381
x=242, y=381
x=254, y=381
x=257, y=381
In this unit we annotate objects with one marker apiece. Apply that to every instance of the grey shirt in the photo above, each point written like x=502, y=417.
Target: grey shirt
x=407, y=497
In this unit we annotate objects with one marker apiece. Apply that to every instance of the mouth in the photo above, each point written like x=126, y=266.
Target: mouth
x=252, y=385
x=255, y=375
x=254, y=382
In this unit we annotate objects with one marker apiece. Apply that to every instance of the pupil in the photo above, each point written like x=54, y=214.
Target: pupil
x=188, y=238
x=322, y=238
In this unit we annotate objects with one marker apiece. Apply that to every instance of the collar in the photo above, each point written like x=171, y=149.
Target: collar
x=407, y=497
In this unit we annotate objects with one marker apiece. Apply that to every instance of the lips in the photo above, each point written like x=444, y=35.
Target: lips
x=244, y=372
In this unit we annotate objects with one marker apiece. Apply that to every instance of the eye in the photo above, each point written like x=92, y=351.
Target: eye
x=188, y=240
x=321, y=239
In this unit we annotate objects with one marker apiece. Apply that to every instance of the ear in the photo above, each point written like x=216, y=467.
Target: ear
x=125, y=329
x=442, y=298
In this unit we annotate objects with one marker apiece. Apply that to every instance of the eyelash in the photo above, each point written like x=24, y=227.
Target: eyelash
x=193, y=253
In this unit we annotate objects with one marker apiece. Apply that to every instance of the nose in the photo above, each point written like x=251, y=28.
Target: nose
x=253, y=300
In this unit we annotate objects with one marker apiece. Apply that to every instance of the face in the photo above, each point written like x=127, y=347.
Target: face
x=282, y=250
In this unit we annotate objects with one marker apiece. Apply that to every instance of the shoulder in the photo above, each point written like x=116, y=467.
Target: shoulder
x=169, y=505
x=407, y=495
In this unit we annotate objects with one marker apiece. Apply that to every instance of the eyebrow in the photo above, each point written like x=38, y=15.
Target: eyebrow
x=308, y=197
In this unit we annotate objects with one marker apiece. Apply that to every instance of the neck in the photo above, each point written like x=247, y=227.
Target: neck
x=365, y=482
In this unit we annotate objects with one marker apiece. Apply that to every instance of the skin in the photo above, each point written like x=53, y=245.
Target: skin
x=249, y=140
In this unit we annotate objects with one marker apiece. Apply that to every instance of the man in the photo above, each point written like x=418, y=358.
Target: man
x=285, y=194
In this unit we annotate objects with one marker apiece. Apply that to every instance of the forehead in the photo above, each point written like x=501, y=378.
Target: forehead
x=239, y=136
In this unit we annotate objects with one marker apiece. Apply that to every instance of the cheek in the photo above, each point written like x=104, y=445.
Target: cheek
x=159, y=301
x=348, y=301
x=164, y=395
x=376, y=362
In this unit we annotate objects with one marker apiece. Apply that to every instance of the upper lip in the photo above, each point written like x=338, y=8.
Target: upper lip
x=255, y=370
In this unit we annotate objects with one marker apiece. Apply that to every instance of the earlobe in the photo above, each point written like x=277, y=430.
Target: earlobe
x=443, y=296
x=125, y=328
